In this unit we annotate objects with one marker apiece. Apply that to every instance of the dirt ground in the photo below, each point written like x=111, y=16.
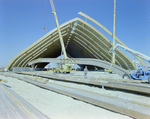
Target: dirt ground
x=57, y=106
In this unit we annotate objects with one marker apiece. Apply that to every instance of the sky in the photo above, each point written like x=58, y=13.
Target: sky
x=22, y=22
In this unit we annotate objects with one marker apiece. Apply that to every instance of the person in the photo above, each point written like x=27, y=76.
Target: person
x=139, y=72
x=85, y=72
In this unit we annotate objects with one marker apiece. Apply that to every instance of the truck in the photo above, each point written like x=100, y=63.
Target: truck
x=140, y=72
x=63, y=68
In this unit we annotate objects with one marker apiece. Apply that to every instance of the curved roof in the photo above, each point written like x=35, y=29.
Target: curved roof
x=107, y=31
x=81, y=41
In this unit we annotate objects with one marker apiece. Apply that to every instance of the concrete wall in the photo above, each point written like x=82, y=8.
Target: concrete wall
x=19, y=69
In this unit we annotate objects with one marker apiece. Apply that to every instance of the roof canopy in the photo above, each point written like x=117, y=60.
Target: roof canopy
x=81, y=41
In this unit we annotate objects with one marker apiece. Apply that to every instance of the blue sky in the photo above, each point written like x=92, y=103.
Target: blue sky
x=22, y=22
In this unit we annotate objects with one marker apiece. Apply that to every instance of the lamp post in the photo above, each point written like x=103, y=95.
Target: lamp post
x=113, y=56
